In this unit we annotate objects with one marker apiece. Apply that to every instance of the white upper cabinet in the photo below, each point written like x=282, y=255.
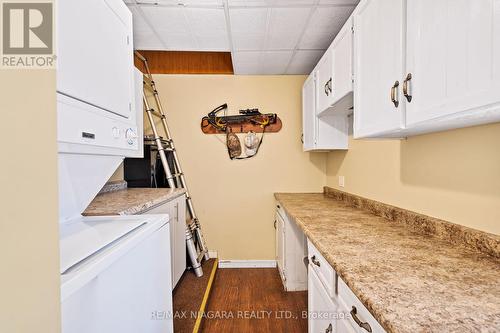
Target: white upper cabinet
x=378, y=67
x=95, y=53
x=334, y=74
x=424, y=66
x=308, y=113
x=324, y=74
x=453, y=58
x=342, y=55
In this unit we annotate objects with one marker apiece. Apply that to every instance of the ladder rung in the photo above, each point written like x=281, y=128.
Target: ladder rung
x=201, y=255
x=148, y=81
x=156, y=114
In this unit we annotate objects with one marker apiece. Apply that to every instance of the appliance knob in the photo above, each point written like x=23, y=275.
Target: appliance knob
x=131, y=136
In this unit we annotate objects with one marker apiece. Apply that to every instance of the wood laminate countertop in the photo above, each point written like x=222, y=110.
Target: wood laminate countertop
x=407, y=269
x=130, y=201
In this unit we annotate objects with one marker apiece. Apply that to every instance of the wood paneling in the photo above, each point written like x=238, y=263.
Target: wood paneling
x=257, y=302
x=187, y=62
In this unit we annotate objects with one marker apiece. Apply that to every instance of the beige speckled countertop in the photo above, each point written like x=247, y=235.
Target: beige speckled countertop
x=130, y=201
x=409, y=281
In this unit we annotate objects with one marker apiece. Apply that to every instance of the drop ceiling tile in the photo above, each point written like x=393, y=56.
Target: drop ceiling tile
x=178, y=41
x=171, y=19
x=248, y=28
x=246, y=62
x=189, y=3
x=270, y=3
x=303, y=62
x=324, y=25
x=209, y=28
x=144, y=37
x=338, y=2
x=275, y=62
x=282, y=34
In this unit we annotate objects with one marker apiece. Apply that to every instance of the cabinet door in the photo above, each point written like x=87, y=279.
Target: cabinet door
x=308, y=113
x=321, y=307
x=95, y=53
x=342, y=62
x=378, y=65
x=324, y=82
x=178, y=209
x=280, y=246
x=453, y=55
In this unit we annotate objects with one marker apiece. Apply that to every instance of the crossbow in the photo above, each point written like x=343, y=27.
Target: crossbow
x=253, y=116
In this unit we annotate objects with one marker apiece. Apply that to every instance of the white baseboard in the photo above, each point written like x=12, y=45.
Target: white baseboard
x=212, y=254
x=247, y=263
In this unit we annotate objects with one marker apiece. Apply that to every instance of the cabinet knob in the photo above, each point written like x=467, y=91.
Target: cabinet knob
x=405, y=87
x=394, y=94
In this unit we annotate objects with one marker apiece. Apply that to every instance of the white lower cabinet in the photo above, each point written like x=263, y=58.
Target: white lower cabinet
x=176, y=209
x=291, y=250
x=333, y=307
x=322, y=309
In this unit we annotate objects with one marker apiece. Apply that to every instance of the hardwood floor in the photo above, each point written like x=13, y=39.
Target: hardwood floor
x=250, y=300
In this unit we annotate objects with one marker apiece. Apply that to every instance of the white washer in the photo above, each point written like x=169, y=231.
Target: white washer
x=116, y=275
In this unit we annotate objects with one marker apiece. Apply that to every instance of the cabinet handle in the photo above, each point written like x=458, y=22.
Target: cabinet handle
x=394, y=94
x=363, y=325
x=302, y=138
x=315, y=261
x=330, y=85
x=274, y=224
x=405, y=87
x=326, y=88
x=329, y=329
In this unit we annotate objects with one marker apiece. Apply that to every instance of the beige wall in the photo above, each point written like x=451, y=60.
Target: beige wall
x=452, y=175
x=29, y=255
x=234, y=199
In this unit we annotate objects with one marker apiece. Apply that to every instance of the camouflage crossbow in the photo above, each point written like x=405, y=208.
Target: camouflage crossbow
x=253, y=116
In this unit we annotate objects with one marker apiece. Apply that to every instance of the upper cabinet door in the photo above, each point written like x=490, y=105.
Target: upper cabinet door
x=342, y=62
x=378, y=67
x=95, y=53
x=308, y=113
x=453, y=57
x=324, y=77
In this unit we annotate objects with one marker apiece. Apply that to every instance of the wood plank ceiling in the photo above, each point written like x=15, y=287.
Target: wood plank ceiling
x=186, y=62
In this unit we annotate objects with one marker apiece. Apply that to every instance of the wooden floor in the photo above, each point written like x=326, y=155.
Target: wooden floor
x=250, y=300
x=188, y=297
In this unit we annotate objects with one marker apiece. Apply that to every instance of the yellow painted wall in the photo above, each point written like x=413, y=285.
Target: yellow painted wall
x=234, y=199
x=29, y=255
x=453, y=175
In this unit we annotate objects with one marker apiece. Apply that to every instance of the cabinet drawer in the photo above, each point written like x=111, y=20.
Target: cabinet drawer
x=349, y=303
x=322, y=268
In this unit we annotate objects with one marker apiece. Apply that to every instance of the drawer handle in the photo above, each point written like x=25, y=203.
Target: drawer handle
x=329, y=329
x=315, y=261
x=363, y=325
x=394, y=94
x=405, y=87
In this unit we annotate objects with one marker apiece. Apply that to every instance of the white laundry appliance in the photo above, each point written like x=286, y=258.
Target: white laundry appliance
x=115, y=271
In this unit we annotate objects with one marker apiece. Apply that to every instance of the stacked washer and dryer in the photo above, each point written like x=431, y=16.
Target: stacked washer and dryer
x=115, y=271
